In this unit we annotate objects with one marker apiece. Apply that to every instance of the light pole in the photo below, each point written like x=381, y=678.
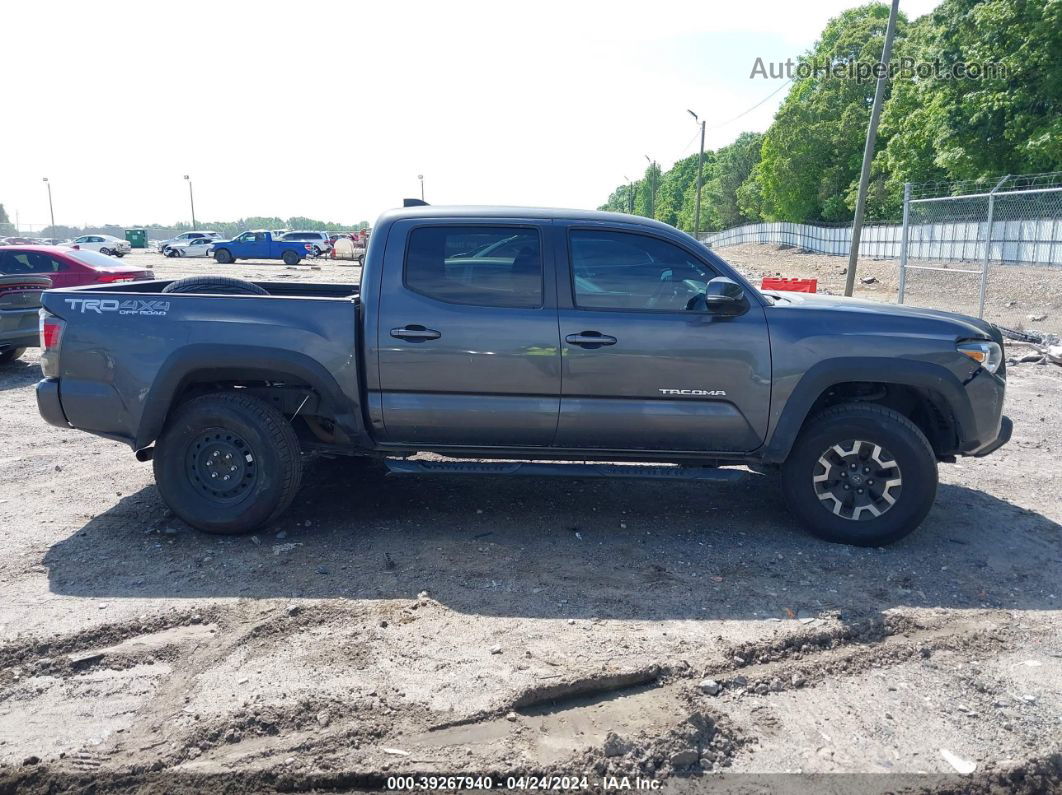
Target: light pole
x=700, y=178
x=868, y=150
x=652, y=187
x=51, y=209
x=191, y=199
x=421, y=178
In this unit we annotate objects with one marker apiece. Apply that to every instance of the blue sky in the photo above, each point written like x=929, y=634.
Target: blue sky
x=332, y=110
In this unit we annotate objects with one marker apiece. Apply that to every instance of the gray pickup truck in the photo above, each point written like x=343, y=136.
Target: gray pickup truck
x=527, y=339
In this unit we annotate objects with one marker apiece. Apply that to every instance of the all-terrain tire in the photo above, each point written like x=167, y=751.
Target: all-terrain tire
x=223, y=256
x=224, y=285
x=8, y=356
x=269, y=472
x=905, y=444
x=290, y=258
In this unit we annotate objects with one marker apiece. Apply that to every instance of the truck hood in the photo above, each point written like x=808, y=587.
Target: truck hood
x=965, y=324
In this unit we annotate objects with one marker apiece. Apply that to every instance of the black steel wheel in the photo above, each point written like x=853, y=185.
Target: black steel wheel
x=227, y=463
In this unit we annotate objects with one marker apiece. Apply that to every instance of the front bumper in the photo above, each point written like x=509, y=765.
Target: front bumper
x=48, y=403
x=1006, y=428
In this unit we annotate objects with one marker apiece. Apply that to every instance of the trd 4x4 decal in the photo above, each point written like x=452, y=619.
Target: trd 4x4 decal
x=131, y=306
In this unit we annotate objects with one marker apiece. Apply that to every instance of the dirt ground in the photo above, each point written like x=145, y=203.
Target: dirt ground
x=689, y=634
x=1024, y=298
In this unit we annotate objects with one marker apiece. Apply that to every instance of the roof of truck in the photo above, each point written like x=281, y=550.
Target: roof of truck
x=497, y=211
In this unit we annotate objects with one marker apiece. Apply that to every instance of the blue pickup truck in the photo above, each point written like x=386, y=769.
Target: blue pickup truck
x=260, y=244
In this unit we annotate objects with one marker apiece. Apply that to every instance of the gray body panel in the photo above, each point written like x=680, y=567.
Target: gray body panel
x=504, y=382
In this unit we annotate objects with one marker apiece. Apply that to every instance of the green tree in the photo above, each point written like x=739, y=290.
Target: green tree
x=3, y=216
x=1005, y=122
x=734, y=163
x=811, y=154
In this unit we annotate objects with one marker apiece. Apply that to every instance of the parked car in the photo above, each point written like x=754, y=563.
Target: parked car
x=68, y=267
x=17, y=241
x=260, y=244
x=602, y=337
x=20, y=303
x=104, y=244
x=199, y=247
x=184, y=237
x=319, y=240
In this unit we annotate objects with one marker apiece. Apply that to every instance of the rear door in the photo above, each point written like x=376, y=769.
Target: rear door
x=643, y=371
x=466, y=336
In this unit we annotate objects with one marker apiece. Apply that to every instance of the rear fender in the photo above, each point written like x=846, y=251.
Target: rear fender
x=208, y=362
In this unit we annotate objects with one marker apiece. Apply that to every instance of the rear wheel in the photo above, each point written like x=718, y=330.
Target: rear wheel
x=223, y=256
x=227, y=463
x=8, y=356
x=291, y=258
x=860, y=474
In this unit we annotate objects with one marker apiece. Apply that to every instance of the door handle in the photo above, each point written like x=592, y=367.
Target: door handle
x=590, y=339
x=415, y=333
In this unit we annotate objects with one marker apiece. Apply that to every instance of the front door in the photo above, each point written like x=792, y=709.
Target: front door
x=466, y=337
x=645, y=365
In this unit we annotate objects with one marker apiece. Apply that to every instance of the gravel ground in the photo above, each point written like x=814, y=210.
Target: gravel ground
x=1018, y=297
x=684, y=633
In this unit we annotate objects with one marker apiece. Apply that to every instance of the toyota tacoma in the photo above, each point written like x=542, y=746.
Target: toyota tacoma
x=514, y=341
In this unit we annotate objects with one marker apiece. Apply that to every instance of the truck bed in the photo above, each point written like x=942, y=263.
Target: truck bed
x=127, y=354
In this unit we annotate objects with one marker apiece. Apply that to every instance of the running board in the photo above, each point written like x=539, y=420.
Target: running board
x=398, y=466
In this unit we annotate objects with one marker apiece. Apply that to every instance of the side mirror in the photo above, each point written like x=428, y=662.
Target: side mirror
x=723, y=296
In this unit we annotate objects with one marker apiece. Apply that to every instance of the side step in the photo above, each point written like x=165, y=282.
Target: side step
x=398, y=466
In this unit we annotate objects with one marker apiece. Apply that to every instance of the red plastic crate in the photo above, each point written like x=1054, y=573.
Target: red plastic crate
x=792, y=285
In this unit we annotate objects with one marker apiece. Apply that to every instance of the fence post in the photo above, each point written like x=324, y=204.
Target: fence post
x=904, y=238
x=988, y=245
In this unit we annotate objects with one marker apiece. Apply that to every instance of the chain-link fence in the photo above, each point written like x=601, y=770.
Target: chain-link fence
x=987, y=248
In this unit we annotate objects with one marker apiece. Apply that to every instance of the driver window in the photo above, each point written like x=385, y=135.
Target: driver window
x=620, y=270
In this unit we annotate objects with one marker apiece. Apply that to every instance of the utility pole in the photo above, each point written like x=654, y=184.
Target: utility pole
x=630, y=196
x=421, y=178
x=868, y=150
x=51, y=209
x=191, y=199
x=652, y=187
x=700, y=179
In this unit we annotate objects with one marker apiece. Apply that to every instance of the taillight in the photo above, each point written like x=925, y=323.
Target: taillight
x=51, y=337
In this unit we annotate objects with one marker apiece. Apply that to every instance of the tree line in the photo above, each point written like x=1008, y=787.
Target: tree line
x=938, y=128
x=226, y=229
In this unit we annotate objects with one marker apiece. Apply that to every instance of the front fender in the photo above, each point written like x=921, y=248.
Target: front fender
x=921, y=375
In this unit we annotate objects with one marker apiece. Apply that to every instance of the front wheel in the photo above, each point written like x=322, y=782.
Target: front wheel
x=223, y=256
x=227, y=463
x=105, y=251
x=860, y=474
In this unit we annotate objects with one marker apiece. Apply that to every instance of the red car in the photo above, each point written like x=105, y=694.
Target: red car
x=68, y=267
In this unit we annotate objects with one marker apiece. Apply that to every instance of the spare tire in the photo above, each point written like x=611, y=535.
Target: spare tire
x=223, y=285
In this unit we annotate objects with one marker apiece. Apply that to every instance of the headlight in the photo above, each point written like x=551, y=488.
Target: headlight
x=986, y=353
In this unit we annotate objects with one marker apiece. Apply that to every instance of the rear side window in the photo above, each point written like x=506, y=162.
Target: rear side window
x=482, y=266
x=621, y=270
x=18, y=262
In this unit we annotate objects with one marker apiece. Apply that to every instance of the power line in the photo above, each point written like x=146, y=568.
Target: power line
x=746, y=112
